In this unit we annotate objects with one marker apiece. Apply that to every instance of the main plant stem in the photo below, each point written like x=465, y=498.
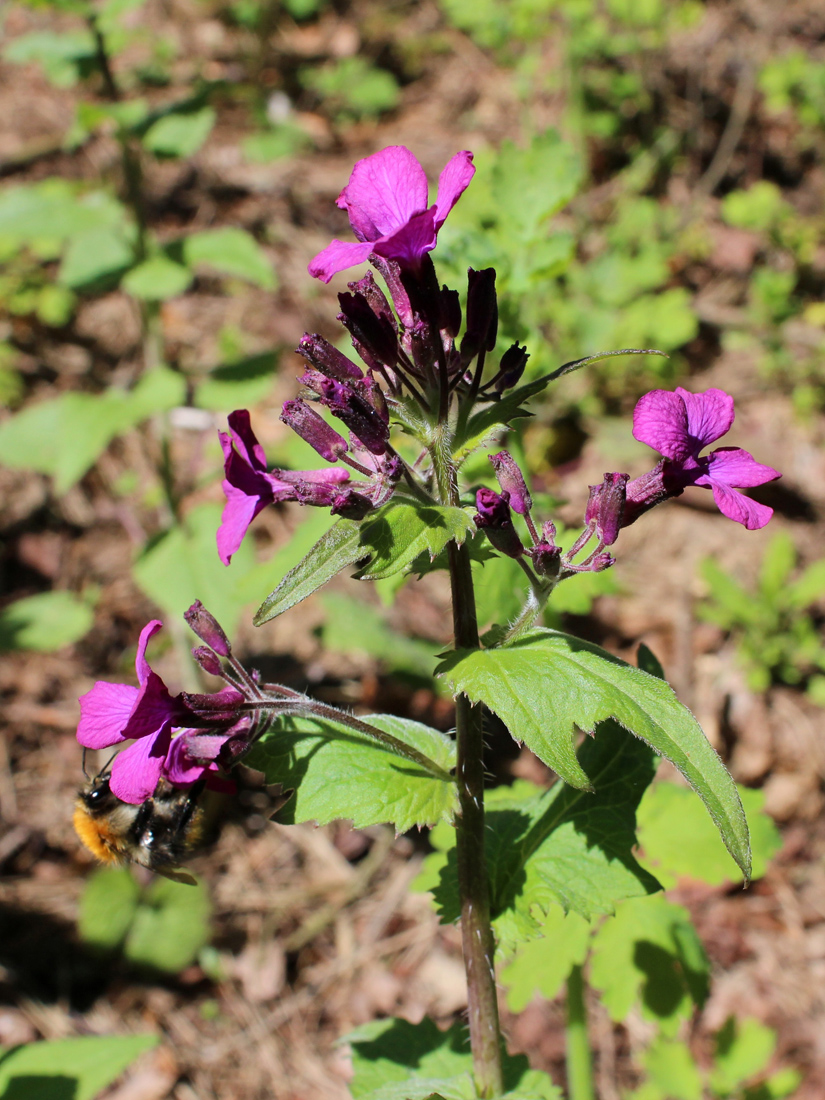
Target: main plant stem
x=579, y=1057
x=476, y=930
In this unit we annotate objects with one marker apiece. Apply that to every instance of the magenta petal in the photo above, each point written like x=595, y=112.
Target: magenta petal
x=136, y=770
x=660, y=420
x=154, y=708
x=742, y=509
x=411, y=241
x=710, y=415
x=338, y=256
x=141, y=664
x=104, y=712
x=383, y=193
x=733, y=466
x=180, y=768
x=245, y=439
x=452, y=183
x=239, y=511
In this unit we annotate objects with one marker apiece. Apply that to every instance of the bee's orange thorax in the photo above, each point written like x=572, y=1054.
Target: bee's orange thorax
x=96, y=836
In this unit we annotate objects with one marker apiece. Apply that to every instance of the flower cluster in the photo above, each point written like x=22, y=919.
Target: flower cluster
x=405, y=339
x=181, y=738
x=678, y=425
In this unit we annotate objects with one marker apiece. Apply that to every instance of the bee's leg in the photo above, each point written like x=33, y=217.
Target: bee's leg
x=187, y=806
x=142, y=819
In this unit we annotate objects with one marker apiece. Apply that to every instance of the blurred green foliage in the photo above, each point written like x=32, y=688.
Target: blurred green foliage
x=776, y=624
x=80, y=1068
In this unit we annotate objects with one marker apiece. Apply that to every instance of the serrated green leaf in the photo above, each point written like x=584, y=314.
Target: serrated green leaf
x=41, y=1071
x=182, y=565
x=502, y=412
x=230, y=251
x=44, y=622
x=339, y=773
x=562, y=846
x=157, y=279
x=678, y=840
x=107, y=907
x=543, y=965
x=398, y=533
x=170, y=926
x=334, y=551
x=180, y=133
x=547, y=684
x=397, y=1060
x=649, y=952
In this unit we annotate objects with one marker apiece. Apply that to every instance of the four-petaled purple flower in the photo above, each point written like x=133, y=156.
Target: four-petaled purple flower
x=113, y=713
x=678, y=425
x=386, y=200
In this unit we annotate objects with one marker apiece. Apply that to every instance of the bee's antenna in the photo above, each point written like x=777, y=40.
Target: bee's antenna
x=83, y=764
x=106, y=767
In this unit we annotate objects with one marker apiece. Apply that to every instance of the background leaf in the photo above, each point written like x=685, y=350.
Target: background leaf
x=87, y=1065
x=44, y=622
x=170, y=926
x=180, y=133
x=230, y=251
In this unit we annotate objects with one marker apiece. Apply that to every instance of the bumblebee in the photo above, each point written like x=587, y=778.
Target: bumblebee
x=160, y=833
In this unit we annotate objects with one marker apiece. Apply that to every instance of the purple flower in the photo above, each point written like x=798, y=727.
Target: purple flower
x=679, y=425
x=112, y=713
x=249, y=488
x=386, y=200
x=494, y=518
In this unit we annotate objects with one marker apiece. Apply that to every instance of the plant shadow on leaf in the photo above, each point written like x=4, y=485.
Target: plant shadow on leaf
x=46, y=1087
x=662, y=990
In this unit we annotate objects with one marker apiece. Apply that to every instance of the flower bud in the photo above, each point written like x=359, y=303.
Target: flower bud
x=482, y=313
x=314, y=430
x=351, y=504
x=493, y=517
x=605, y=507
x=512, y=482
x=373, y=332
x=221, y=708
x=511, y=367
x=328, y=360
x=207, y=628
x=208, y=660
x=368, y=426
x=450, y=311
x=546, y=559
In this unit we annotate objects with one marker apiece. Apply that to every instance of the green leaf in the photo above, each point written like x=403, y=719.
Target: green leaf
x=268, y=145
x=45, y=622
x=53, y=209
x=672, y=1070
x=496, y=416
x=96, y=255
x=157, y=279
x=397, y=1060
x=649, y=952
x=562, y=846
x=107, y=908
x=743, y=1049
x=678, y=839
x=64, y=55
x=69, y=1069
x=372, y=783
x=398, y=533
x=230, y=251
x=543, y=965
x=183, y=565
x=547, y=684
x=180, y=133
x=334, y=551
x=238, y=385
x=352, y=625
x=170, y=926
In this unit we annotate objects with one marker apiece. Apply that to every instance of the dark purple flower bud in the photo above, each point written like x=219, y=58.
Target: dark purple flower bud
x=644, y=492
x=605, y=507
x=511, y=480
x=328, y=360
x=221, y=708
x=482, y=313
x=361, y=418
x=207, y=660
x=511, y=367
x=315, y=494
x=493, y=517
x=207, y=628
x=546, y=558
x=314, y=430
x=351, y=505
x=372, y=332
x=450, y=311
x=375, y=296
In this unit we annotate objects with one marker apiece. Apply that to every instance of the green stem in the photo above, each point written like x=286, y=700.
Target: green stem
x=579, y=1058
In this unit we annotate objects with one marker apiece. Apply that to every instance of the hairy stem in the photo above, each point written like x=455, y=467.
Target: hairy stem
x=579, y=1059
x=473, y=885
